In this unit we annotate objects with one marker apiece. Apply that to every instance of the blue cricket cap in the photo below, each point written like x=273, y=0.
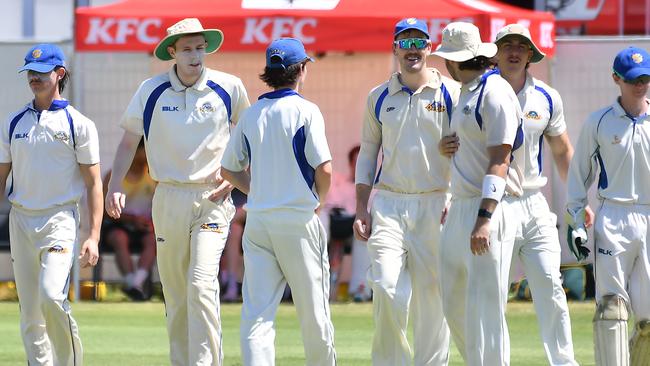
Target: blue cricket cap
x=43, y=58
x=631, y=63
x=284, y=52
x=411, y=23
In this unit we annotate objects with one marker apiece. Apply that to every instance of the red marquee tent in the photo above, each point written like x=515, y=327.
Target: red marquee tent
x=347, y=25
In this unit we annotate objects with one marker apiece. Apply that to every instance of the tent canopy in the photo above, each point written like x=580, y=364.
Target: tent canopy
x=323, y=25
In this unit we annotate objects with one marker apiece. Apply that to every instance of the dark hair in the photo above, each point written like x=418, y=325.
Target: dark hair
x=353, y=151
x=277, y=78
x=64, y=80
x=477, y=63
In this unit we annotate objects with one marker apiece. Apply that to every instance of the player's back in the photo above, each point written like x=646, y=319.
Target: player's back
x=284, y=135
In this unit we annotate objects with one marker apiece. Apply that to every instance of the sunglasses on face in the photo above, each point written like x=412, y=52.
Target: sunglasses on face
x=407, y=43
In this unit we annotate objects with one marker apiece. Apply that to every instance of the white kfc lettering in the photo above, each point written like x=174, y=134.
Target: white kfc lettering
x=98, y=32
x=495, y=26
x=546, y=35
x=255, y=30
x=435, y=28
x=144, y=30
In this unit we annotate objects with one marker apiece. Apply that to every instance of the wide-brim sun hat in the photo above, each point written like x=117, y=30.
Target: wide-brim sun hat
x=461, y=42
x=521, y=32
x=187, y=26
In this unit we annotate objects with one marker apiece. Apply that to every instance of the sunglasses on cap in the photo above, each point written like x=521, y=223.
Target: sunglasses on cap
x=407, y=43
x=643, y=79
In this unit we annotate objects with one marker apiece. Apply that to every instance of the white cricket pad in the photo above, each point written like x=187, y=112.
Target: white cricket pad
x=640, y=344
x=610, y=331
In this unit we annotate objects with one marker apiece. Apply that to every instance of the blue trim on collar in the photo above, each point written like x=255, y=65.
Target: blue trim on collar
x=58, y=104
x=280, y=93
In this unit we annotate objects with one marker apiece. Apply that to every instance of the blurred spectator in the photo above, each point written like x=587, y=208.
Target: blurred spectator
x=133, y=231
x=232, y=271
x=348, y=257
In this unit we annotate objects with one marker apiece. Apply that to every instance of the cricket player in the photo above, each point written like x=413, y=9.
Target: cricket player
x=614, y=146
x=537, y=244
x=405, y=118
x=185, y=116
x=278, y=155
x=51, y=152
x=478, y=236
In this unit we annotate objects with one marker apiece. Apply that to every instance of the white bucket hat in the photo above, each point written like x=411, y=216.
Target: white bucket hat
x=461, y=41
x=214, y=37
x=518, y=30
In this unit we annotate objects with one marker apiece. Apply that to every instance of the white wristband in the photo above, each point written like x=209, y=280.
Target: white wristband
x=493, y=187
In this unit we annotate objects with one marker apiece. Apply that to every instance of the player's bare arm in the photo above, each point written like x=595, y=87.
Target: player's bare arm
x=115, y=197
x=223, y=187
x=562, y=151
x=5, y=168
x=363, y=221
x=241, y=180
x=323, y=181
x=448, y=145
x=91, y=175
x=499, y=160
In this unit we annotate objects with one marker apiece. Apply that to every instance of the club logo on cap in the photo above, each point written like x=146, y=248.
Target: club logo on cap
x=37, y=53
x=411, y=21
x=637, y=58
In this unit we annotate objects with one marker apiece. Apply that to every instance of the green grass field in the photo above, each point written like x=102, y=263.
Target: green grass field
x=130, y=334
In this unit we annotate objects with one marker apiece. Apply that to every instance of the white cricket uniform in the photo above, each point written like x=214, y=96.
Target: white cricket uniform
x=186, y=130
x=45, y=150
x=411, y=193
x=537, y=244
x=282, y=139
x=615, y=147
x=475, y=287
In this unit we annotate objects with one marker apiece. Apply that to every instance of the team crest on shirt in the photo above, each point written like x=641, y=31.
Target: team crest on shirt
x=212, y=226
x=533, y=115
x=207, y=107
x=58, y=249
x=467, y=110
x=435, y=106
x=617, y=140
x=62, y=136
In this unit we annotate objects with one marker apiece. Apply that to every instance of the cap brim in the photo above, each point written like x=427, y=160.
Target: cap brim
x=636, y=72
x=213, y=37
x=38, y=67
x=485, y=49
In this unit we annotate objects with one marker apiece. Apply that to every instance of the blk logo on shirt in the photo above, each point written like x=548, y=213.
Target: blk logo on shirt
x=21, y=135
x=168, y=108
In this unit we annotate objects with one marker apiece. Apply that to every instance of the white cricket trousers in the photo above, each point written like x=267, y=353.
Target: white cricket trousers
x=191, y=233
x=403, y=251
x=42, y=251
x=622, y=258
x=537, y=246
x=280, y=247
x=475, y=287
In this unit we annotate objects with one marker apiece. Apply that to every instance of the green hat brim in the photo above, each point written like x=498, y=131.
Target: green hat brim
x=213, y=37
x=537, y=54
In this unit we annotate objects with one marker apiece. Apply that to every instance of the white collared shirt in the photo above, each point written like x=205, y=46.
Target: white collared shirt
x=45, y=150
x=407, y=126
x=543, y=115
x=282, y=138
x=186, y=129
x=615, y=149
x=496, y=123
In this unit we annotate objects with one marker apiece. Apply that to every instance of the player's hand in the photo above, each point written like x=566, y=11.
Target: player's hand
x=362, y=225
x=480, y=238
x=589, y=217
x=448, y=145
x=114, y=204
x=223, y=188
x=89, y=254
